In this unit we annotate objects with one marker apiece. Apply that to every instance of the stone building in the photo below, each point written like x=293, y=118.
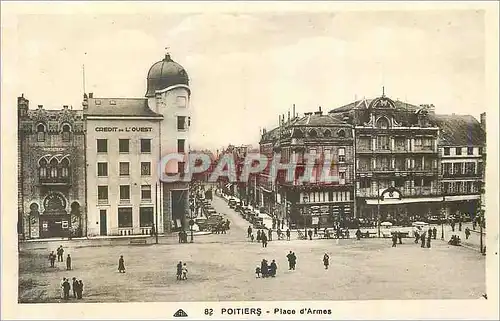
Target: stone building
x=396, y=152
x=51, y=172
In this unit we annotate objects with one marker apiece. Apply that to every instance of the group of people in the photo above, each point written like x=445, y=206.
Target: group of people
x=221, y=227
x=183, y=236
x=60, y=258
x=182, y=271
x=262, y=237
x=266, y=270
x=423, y=236
x=77, y=286
x=277, y=223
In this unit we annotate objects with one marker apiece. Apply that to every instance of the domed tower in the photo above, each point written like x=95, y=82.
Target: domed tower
x=168, y=94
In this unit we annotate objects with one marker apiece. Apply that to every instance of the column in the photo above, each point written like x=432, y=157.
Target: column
x=408, y=144
x=374, y=143
x=423, y=162
x=393, y=162
x=374, y=162
x=412, y=144
x=392, y=143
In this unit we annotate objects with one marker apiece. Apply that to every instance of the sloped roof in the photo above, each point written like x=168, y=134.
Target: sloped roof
x=365, y=104
x=459, y=130
x=319, y=120
x=123, y=107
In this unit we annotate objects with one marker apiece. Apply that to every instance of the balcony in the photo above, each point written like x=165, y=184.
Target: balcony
x=461, y=175
x=406, y=192
x=54, y=180
x=424, y=149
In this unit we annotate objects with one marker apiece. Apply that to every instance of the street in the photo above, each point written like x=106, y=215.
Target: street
x=221, y=267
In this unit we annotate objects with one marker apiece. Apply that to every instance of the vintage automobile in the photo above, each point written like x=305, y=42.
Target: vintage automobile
x=232, y=203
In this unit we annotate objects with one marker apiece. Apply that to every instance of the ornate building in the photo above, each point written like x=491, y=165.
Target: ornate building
x=396, y=152
x=312, y=202
x=51, y=172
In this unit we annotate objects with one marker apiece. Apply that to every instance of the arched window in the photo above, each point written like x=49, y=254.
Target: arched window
x=53, y=168
x=327, y=133
x=313, y=133
x=383, y=123
x=341, y=133
x=40, y=132
x=66, y=133
x=42, y=170
x=65, y=167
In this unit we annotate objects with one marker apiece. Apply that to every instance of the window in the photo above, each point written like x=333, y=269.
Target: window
x=102, y=169
x=146, y=192
x=342, y=177
x=145, y=168
x=124, y=168
x=66, y=133
x=458, y=151
x=417, y=182
x=43, y=168
x=400, y=144
x=418, y=143
x=102, y=193
x=383, y=123
x=364, y=183
x=382, y=163
x=446, y=187
x=480, y=151
x=457, y=168
x=40, y=133
x=327, y=133
x=146, y=216
x=470, y=150
x=313, y=133
x=383, y=142
x=341, y=133
x=447, y=151
x=468, y=187
x=480, y=169
x=180, y=167
x=53, y=168
x=124, y=217
x=365, y=143
x=123, y=145
x=181, y=122
x=145, y=145
x=180, y=145
x=427, y=182
x=124, y=192
x=181, y=101
x=470, y=168
x=64, y=168
x=446, y=169
x=427, y=143
x=102, y=145
x=399, y=182
x=341, y=151
x=364, y=163
x=399, y=163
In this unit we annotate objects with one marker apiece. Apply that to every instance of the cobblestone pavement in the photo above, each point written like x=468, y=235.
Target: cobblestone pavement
x=221, y=267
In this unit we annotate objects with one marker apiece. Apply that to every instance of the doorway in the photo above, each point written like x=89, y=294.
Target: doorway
x=103, y=223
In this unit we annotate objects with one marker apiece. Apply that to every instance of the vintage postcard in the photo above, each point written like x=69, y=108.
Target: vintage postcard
x=249, y=160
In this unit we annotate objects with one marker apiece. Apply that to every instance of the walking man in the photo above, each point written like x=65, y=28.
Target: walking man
x=121, y=264
x=289, y=257
x=249, y=231
x=75, y=287
x=400, y=237
x=326, y=261
x=52, y=258
x=467, y=233
x=60, y=253
x=270, y=234
x=422, y=239
x=264, y=239
x=310, y=233
x=79, y=291
x=434, y=232
x=179, y=270
x=394, y=239
x=66, y=288
x=288, y=234
x=429, y=241
x=68, y=262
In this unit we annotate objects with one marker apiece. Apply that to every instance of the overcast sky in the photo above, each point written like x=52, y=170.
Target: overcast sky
x=245, y=69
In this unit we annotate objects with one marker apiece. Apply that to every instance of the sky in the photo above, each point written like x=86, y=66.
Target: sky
x=247, y=68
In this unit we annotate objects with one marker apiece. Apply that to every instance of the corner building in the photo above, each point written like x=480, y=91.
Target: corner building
x=126, y=139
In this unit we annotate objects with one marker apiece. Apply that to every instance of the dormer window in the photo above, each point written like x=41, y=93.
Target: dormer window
x=341, y=133
x=66, y=133
x=313, y=133
x=112, y=102
x=40, y=132
x=327, y=133
x=97, y=102
x=383, y=123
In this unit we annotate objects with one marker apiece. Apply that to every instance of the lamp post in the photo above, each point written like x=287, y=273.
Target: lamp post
x=305, y=199
x=481, y=221
x=378, y=207
x=441, y=221
x=155, y=230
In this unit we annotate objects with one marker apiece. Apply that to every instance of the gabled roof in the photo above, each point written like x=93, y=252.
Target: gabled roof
x=319, y=120
x=459, y=130
x=120, y=107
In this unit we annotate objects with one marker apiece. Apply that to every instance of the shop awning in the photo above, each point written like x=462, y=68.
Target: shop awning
x=404, y=200
x=461, y=198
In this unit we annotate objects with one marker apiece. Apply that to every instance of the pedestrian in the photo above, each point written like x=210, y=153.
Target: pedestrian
x=52, y=258
x=310, y=233
x=467, y=233
x=68, y=262
x=249, y=231
x=429, y=241
x=315, y=231
x=264, y=269
x=326, y=261
x=274, y=223
x=453, y=226
x=400, y=237
x=264, y=239
x=259, y=235
x=184, y=271
x=394, y=239
x=422, y=239
x=179, y=270
x=417, y=237
x=75, y=287
x=257, y=272
x=66, y=288
x=289, y=257
x=79, y=293
x=282, y=223
x=278, y=231
x=62, y=287
x=460, y=225
x=60, y=253
x=121, y=264
x=180, y=236
x=294, y=260
x=358, y=234
x=270, y=234
x=252, y=237
x=288, y=234
x=272, y=268
x=434, y=232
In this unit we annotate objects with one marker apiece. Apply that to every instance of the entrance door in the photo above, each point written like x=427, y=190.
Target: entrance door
x=103, y=223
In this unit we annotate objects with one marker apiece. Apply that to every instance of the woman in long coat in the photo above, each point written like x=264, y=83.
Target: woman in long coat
x=121, y=265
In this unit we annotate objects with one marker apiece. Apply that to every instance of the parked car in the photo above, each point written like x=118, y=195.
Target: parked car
x=232, y=203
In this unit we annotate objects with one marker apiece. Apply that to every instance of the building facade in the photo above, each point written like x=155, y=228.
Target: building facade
x=126, y=140
x=462, y=152
x=51, y=172
x=313, y=202
x=396, y=152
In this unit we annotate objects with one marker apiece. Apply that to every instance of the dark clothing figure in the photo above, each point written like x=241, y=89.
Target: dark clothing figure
x=66, y=287
x=459, y=226
x=75, y=287
x=290, y=258
x=453, y=226
x=429, y=241
x=358, y=234
x=121, y=265
x=270, y=235
x=259, y=236
x=252, y=237
x=79, y=291
x=400, y=237
x=52, y=258
x=326, y=261
x=288, y=234
x=394, y=239
x=315, y=231
x=249, y=231
x=272, y=269
x=60, y=253
x=274, y=223
x=310, y=233
x=434, y=232
x=282, y=224
x=68, y=262
x=417, y=237
x=179, y=270
x=181, y=236
x=422, y=239
x=264, y=269
x=467, y=233
x=264, y=239
x=257, y=272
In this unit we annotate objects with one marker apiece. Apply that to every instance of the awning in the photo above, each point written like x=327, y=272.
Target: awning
x=461, y=198
x=404, y=200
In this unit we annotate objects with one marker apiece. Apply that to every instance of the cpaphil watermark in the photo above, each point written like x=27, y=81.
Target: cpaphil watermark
x=308, y=168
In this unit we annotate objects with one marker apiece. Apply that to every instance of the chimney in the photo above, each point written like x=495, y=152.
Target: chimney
x=65, y=106
x=293, y=111
x=91, y=95
x=288, y=116
x=308, y=114
x=483, y=120
x=40, y=106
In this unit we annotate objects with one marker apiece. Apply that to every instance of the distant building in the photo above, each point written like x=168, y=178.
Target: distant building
x=51, y=172
x=462, y=151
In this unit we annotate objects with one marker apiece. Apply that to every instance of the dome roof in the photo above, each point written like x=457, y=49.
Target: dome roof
x=164, y=74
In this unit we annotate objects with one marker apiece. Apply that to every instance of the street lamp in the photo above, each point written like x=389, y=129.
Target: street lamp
x=378, y=206
x=305, y=199
x=441, y=221
x=155, y=228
